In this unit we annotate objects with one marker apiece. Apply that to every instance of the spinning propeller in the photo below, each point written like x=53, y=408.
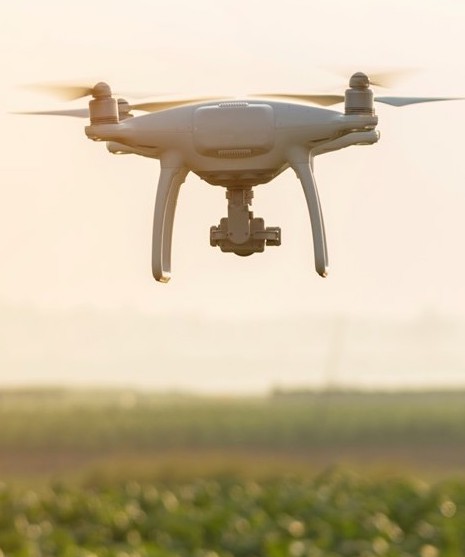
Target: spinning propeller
x=72, y=92
x=358, y=81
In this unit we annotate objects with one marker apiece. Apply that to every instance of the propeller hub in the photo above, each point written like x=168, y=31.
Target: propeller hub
x=359, y=80
x=103, y=108
x=101, y=90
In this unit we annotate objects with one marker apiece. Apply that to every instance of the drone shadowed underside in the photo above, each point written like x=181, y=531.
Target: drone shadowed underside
x=237, y=144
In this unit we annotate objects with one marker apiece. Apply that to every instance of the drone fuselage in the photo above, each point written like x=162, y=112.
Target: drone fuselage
x=238, y=145
x=232, y=142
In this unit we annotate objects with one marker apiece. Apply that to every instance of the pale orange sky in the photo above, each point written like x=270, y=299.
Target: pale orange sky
x=76, y=221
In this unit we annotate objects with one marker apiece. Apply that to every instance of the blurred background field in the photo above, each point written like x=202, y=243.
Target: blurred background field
x=59, y=431
x=304, y=473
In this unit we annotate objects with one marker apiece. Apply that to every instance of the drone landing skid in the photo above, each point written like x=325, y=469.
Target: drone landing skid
x=171, y=179
x=305, y=174
x=239, y=232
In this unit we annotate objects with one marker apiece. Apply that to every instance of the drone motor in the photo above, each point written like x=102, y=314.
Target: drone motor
x=103, y=108
x=358, y=99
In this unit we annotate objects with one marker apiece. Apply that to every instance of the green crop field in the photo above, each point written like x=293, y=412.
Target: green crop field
x=331, y=515
x=126, y=474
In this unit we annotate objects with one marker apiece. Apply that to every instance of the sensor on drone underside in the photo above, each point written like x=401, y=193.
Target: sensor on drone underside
x=240, y=232
x=257, y=237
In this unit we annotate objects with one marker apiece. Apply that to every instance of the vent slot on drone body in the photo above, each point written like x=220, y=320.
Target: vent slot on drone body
x=233, y=104
x=234, y=153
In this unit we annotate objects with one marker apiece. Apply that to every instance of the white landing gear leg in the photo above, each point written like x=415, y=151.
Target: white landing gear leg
x=304, y=172
x=165, y=206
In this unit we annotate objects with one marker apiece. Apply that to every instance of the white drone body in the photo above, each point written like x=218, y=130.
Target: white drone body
x=237, y=144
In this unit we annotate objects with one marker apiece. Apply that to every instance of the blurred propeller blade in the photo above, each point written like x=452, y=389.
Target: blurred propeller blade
x=63, y=91
x=74, y=91
x=405, y=101
x=383, y=78
x=389, y=78
x=76, y=112
x=319, y=98
x=152, y=106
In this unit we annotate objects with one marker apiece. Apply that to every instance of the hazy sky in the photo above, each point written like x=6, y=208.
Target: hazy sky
x=76, y=221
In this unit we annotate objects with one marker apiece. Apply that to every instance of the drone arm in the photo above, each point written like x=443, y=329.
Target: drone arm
x=169, y=184
x=367, y=137
x=304, y=171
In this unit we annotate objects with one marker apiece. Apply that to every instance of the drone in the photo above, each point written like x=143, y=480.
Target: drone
x=237, y=144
